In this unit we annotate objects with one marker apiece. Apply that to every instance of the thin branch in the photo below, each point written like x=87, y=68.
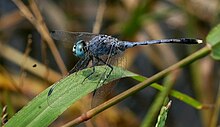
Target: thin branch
x=99, y=16
x=36, y=11
x=11, y=19
x=25, y=56
x=42, y=29
x=7, y=52
x=215, y=115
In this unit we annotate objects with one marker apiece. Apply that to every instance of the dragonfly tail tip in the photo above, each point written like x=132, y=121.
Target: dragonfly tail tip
x=199, y=41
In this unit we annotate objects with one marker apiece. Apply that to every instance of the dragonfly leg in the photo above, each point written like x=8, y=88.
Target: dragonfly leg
x=81, y=64
x=107, y=63
x=75, y=68
x=93, y=69
x=85, y=63
x=106, y=77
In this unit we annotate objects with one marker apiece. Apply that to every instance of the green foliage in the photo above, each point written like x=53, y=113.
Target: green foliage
x=213, y=39
x=135, y=21
x=161, y=120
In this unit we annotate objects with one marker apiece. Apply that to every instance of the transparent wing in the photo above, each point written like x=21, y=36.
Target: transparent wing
x=71, y=37
x=105, y=92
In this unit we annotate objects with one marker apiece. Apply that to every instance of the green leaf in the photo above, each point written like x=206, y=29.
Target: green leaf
x=213, y=39
x=43, y=110
x=161, y=120
x=216, y=52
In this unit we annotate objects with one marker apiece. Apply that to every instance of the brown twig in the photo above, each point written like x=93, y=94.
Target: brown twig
x=7, y=52
x=36, y=11
x=198, y=8
x=10, y=19
x=4, y=115
x=42, y=29
x=25, y=56
x=99, y=16
x=155, y=32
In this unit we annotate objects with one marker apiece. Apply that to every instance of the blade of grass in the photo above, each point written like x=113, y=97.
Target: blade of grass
x=44, y=109
x=163, y=115
x=150, y=118
x=213, y=39
x=215, y=116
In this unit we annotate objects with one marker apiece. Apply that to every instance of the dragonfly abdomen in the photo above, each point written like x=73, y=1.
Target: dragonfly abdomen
x=126, y=44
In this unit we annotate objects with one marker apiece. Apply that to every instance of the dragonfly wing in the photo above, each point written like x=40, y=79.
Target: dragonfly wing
x=71, y=36
x=102, y=94
x=81, y=64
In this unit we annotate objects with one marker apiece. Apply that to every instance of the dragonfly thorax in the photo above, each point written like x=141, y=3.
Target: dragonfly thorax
x=79, y=48
x=102, y=45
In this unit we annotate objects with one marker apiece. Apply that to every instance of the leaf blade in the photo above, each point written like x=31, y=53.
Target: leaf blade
x=69, y=90
x=213, y=39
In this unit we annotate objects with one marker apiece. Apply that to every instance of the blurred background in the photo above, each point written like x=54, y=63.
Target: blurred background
x=30, y=61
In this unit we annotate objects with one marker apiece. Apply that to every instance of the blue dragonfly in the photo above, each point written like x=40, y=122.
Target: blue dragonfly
x=99, y=49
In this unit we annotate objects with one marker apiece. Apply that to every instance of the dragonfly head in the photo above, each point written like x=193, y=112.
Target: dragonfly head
x=79, y=48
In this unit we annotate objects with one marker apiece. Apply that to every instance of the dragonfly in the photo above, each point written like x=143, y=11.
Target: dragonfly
x=100, y=49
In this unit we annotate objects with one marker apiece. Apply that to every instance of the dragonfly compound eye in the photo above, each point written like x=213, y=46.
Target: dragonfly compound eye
x=79, y=49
